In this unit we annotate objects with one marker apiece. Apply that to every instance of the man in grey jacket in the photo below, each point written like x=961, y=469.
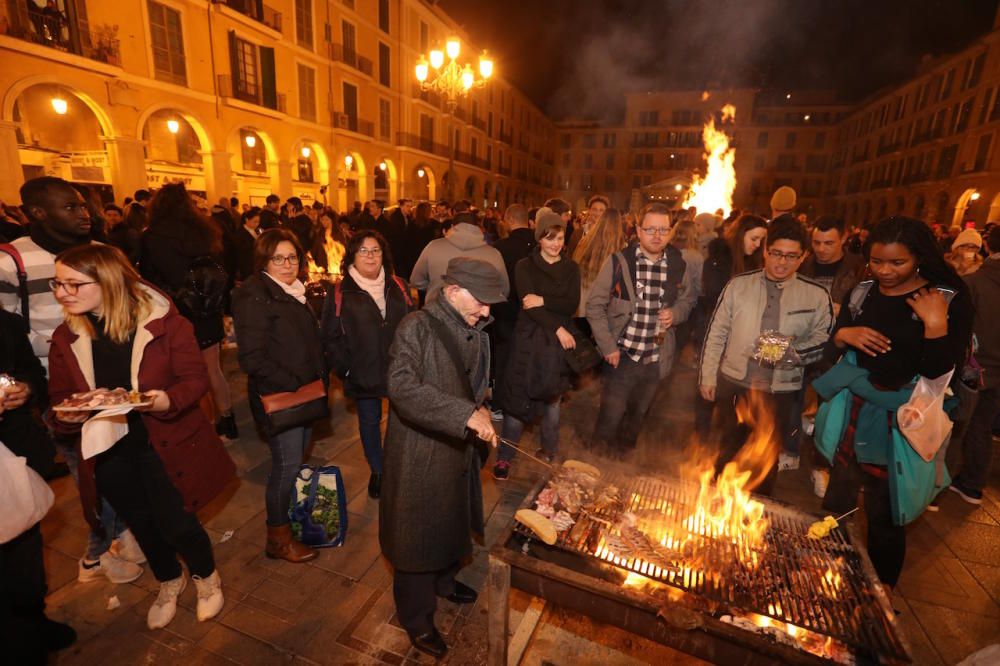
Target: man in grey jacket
x=776, y=299
x=432, y=499
x=465, y=240
x=639, y=296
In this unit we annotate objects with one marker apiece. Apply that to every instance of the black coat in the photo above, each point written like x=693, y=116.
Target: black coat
x=356, y=342
x=393, y=229
x=20, y=429
x=243, y=242
x=431, y=492
x=269, y=220
x=513, y=249
x=279, y=341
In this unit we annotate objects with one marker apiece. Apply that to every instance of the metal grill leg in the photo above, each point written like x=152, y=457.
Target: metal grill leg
x=499, y=612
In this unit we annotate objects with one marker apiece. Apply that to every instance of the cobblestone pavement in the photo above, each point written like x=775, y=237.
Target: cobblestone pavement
x=338, y=609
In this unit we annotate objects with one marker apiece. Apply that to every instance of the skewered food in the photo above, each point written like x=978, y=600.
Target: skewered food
x=822, y=528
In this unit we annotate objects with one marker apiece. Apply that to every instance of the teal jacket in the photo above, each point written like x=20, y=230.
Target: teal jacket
x=913, y=483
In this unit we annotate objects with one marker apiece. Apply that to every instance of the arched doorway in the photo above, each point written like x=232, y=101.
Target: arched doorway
x=253, y=161
x=471, y=187
x=351, y=181
x=966, y=207
x=174, y=144
x=446, y=184
x=488, y=200
x=62, y=132
x=311, y=171
x=422, y=183
x=386, y=181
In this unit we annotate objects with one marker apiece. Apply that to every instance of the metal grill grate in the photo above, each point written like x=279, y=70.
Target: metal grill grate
x=794, y=580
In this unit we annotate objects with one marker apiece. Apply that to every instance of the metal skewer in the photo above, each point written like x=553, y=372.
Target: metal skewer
x=518, y=448
x=841, y=517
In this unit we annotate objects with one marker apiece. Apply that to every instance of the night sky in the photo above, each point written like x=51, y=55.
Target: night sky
x=576, y=58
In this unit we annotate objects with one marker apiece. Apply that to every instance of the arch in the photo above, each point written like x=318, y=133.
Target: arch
x=470, y=189
x=919, y=206
x=447, y=181
x=941, y=206
x=191, y=119
x=993, y=214
x=424, y=182
x=311, y=168
x=386, y=179
x=14, y=92
x=352, y=179
x=963, y=204
x=488, y=201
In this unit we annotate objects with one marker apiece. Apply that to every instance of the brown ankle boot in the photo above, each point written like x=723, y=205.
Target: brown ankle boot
x=281, y=546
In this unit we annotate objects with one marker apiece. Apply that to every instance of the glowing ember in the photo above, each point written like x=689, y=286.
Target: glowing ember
x=334, y=256
x=715, y=191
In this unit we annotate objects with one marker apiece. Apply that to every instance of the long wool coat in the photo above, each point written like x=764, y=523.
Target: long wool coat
x=431, y=493
x=165, y=356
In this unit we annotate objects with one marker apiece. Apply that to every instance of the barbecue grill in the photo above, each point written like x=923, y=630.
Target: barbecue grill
x=785, y=598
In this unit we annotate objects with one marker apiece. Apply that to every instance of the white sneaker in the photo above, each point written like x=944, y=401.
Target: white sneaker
x=821, y=480
x=808, y=425
x=787, y=463
x=111, y=567
x=165, y=607
x=210, y=598
x=127, y=548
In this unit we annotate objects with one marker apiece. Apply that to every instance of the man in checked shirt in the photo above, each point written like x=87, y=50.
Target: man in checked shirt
x=635, y=302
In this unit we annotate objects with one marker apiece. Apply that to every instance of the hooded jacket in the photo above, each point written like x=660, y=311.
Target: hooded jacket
x=465, y=240
x=984, y=288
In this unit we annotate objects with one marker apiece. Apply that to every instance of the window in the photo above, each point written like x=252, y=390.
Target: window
x=384, y=119
x=949, y=79
x=762, y=140
x=946, y=162
x=426, y=131
x=984, y=112
x=816, y=163
x=610, y=139
x=609, y=161
x=246, y=75
x=589, y=141
x=636, y=182
x=609, y=183
x=304, y=23
x=983, y=152
x=351, y=106
x=588, y=161
x=786, y=163
x=587, y=182
x=565, y=141
x=305, y=170
x=384, y=66
x=790, y=140
x=425, y=37
x=307, y=92
x=977, y=71
x=349, y=36
x=962, y=116
x=168, y=43
x=649, y=118
x=489, y=127
x=254, y=157
x=565, y=160
x=383, y=16
x=819, y=140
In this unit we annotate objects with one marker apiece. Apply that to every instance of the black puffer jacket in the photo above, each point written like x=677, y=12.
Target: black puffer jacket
x=279, y=340
x=20, y=430
x=356, y=339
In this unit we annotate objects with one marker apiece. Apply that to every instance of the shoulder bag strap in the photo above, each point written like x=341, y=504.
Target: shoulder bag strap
x=448, y=340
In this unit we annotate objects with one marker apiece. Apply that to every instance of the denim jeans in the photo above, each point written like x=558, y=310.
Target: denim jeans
x=288, y=449
x=513, y=428
x=977, y=442
x=626, y=395
x=97, y=543
x=370, y=427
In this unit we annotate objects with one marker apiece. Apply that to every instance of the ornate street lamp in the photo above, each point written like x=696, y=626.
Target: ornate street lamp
x=452, y=81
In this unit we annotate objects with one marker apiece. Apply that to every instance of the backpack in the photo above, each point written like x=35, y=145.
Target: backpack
x=22, y=281
x=204, y=289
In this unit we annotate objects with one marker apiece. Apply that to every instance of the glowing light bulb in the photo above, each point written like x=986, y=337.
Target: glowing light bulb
x=806, y=117
x=437, y=58
x=348, y=161
x=485, y=65
x=468, y=77
x=420, y=173
x=422, y=69
x=975, y=196
x=306, y=152
x=251, y=140
x=452, y=47
x=382, y=166
x=60, y=105
x=678, y=187
x=173, y=126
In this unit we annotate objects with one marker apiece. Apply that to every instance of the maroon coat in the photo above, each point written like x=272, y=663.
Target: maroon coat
x=165, y=356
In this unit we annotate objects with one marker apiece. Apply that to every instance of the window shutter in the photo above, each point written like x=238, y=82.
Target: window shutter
x=267, y=80
x=234, y=66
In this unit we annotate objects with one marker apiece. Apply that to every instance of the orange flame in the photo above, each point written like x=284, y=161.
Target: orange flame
x=715, y=190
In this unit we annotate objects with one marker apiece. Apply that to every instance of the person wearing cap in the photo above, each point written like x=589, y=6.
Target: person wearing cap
x=965, y=255
x=465, y=239
x=640, y=295
x=431, y=496
x=537, y=373
x=782, y=201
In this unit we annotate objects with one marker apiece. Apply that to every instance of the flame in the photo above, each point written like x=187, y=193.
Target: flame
x=833, y=580
x=715, y=190
x=334, y=256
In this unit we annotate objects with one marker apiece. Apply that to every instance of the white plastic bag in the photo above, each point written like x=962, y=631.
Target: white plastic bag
x=24, y=495
x=922, y=420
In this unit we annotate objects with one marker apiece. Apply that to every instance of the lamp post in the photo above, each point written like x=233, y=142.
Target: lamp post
x=452, y=81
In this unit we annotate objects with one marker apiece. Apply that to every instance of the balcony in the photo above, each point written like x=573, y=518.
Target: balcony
x=479, y=124
x=472, y=160
x=351, y=58
x=256, y=10
x=352, y=123
x=426, y=144
x=54, y=30
x=888, y=148
x=507, y=138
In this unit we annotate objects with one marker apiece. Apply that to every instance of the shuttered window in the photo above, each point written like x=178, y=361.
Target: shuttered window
x=168, y=43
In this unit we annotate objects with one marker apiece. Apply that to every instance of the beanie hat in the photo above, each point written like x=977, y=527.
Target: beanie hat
x=706, y=222
x=968, y=237
x=783, y=199
x=544, y=219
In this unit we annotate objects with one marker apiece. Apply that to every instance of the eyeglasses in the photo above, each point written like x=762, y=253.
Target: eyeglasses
x=655, y=231
x=290, y=260
x=781, y=256
x=69, y=287
x=370, y=251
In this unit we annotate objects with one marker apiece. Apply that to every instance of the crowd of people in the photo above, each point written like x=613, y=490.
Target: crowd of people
x=474, y=325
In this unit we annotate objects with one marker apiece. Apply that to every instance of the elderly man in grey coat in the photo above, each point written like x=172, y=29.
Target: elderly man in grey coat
x=431, y=493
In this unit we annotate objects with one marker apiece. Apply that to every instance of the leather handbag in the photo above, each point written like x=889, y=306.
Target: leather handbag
x=292, y=409
x=584, y=355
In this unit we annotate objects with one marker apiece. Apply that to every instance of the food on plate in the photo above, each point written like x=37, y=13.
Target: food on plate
x=580, y=466
x=101, y=398
x=537, y=523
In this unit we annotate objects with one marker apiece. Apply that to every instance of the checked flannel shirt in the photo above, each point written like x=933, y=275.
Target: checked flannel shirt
x=638, y=340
